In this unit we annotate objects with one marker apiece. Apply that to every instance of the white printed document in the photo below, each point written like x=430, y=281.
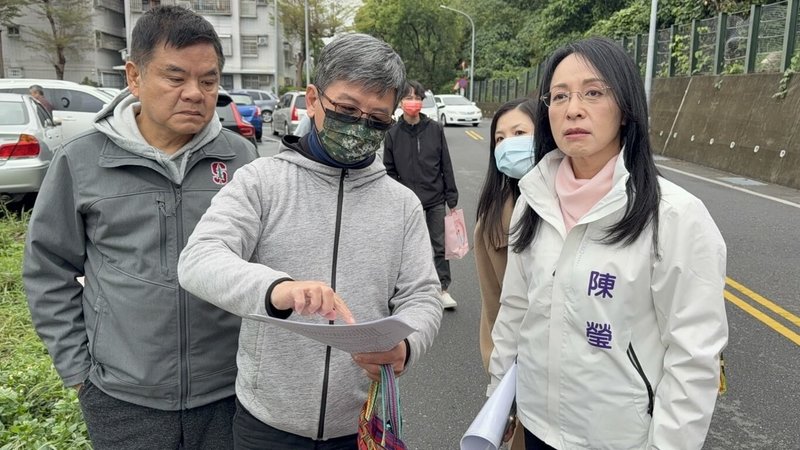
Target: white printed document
x=486, y=431
x=376, y=336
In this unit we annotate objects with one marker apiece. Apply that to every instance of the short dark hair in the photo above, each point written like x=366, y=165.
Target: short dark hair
x=172, y=26
x=414, y=85
x=621, y=74
x=36, y=88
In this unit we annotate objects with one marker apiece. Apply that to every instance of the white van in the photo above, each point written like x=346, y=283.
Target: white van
x=74, y=104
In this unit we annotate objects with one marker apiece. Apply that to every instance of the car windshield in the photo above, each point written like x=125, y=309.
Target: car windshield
x=242, y=99
x=428, y=102
x=456, y=100
x=13, y=113
x=300, y=103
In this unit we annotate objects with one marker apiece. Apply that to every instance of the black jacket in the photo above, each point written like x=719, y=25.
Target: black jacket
x=417, y=156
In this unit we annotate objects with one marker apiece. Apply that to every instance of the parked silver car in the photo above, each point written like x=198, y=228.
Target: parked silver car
x=289, y=112
x=28, y=138
x=265, y=100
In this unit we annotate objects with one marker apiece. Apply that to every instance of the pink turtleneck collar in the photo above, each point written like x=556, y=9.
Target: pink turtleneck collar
x=576, y=197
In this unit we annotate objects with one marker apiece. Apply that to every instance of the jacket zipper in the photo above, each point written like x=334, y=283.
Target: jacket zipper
x=638, y=367
x=182, y=310
x=324, y=400
x=162, y=224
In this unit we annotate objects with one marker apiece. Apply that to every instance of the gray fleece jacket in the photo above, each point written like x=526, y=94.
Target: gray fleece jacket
x=118, y=211
x=280, y=218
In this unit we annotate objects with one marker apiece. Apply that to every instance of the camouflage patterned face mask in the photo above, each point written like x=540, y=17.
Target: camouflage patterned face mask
x=346, y=141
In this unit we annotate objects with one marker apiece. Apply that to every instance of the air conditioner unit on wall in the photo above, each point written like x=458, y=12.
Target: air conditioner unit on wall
x=263, y=41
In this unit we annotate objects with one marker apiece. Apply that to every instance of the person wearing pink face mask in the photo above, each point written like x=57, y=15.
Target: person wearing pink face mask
x=415, y=154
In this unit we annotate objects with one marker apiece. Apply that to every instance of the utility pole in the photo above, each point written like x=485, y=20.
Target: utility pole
x=308, y=66
x=2, y=64
x=651, y=52
x=278, y=45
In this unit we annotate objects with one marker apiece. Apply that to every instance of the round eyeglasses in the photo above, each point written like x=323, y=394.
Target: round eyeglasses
x=560, y=97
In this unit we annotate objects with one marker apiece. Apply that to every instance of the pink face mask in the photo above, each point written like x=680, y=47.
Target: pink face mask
x=411, y=107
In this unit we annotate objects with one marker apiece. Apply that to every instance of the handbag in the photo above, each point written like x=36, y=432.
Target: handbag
x=382, y=433
x=456, y=243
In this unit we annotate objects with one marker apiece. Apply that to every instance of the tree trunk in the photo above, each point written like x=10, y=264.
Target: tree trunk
x=62, y=61
x=299, y=63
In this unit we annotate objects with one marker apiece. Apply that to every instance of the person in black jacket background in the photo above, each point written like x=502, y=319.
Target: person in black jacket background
x=415, y=153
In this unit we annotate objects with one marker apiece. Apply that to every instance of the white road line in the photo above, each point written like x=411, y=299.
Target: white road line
x=730, y=186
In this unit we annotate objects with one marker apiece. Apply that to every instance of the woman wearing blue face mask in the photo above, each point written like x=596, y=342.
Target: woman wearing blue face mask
x=510, y=157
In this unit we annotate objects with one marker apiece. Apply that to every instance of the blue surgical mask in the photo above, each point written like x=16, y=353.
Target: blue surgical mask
x=514, y=156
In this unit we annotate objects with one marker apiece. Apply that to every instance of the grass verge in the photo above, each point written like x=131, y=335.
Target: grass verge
x=36, y=411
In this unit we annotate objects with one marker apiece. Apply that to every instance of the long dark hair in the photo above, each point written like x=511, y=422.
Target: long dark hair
x=621, y=74
x=497, y=186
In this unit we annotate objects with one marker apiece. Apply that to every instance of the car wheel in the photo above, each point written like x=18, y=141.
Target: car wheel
x=476, y=124
x=443, y=120
x=272, y=127
x=266, y=116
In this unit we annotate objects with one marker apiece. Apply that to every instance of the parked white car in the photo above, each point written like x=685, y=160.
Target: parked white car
x=457, y=109
x=28, y=138
x=75, y=105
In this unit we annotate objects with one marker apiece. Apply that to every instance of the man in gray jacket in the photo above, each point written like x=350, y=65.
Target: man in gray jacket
x=296, y=235
x=154, y=366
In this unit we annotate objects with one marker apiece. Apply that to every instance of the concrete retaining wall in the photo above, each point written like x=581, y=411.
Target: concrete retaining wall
x=731, y=123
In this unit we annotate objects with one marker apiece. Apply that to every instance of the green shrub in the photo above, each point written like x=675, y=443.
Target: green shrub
x=36, y=410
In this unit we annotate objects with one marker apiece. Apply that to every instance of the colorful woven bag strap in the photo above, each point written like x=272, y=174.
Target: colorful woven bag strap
x=372, y=397
x=390, y=394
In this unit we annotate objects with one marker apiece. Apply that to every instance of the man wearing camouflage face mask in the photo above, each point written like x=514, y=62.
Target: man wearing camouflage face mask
x=317, y=233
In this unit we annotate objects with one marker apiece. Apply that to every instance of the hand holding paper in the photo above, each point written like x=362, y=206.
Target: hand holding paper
x=372, y=362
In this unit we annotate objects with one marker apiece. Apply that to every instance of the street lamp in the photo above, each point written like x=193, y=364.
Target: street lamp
x=472, y=54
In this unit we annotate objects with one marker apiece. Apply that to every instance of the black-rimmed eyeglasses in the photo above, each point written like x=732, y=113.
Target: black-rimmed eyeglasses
x=352, y=113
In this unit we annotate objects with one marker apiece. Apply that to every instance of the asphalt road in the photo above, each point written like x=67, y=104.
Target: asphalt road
x=441, y=396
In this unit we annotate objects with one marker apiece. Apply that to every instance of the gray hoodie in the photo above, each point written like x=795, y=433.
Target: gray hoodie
x=280, y=218
x=121, y=128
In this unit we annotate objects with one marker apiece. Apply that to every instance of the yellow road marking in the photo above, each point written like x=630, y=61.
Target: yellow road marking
x=474, y=135
x=769, y=321
x=763, y=301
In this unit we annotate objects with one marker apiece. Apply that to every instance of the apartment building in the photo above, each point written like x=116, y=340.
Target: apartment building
x=246, y=27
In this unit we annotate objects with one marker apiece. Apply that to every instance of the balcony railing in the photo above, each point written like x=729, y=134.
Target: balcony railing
x=208, y=7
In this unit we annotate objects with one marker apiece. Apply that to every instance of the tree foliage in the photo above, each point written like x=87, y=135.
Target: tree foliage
x=67, y=33
x=325, y=19
x=424, y=35
x=10, y=10
x=514, y=35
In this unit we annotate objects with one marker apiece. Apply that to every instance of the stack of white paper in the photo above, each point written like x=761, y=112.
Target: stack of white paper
x=486, y=431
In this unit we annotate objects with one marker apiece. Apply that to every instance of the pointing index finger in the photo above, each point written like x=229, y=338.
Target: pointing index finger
x=343, y=311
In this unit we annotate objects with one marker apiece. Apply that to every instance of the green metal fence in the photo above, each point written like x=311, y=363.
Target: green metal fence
x=763, y=39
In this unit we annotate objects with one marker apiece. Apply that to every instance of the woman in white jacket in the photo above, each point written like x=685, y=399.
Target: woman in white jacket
x=612, y=299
